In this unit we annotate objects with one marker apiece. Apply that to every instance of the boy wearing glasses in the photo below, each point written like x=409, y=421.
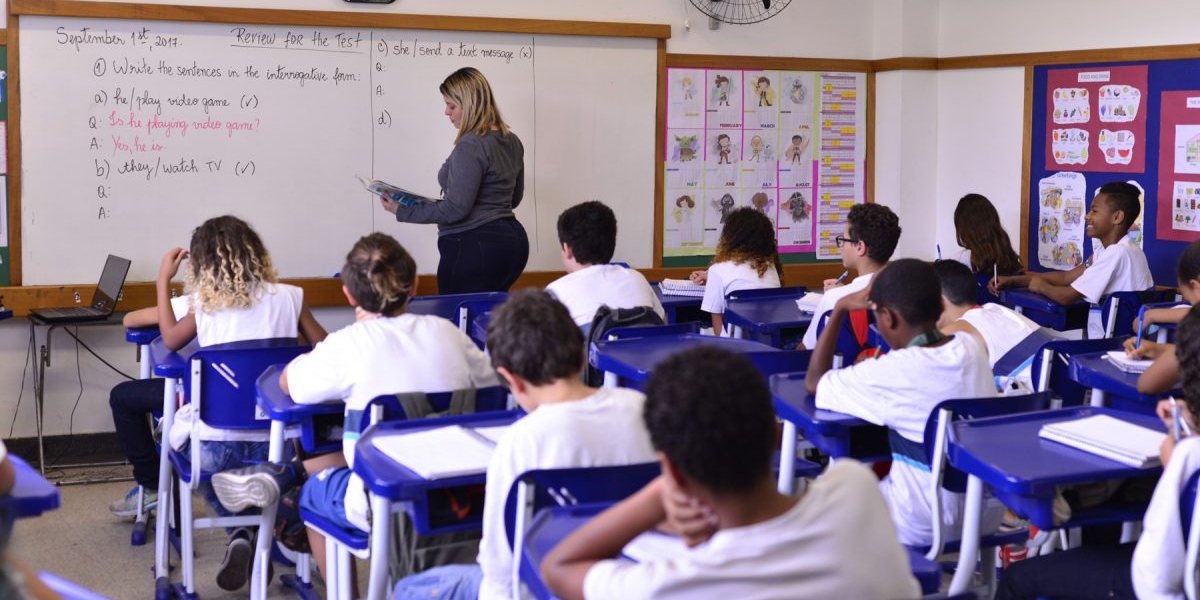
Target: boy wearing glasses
x=901, y=388
x=867, y=243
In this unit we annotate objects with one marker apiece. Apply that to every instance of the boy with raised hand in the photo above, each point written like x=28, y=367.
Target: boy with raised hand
x=866, y=244
x=1120, y=266
x=588, y=235
x=538, y=351
x=999, y=329
x=901, y=388
x=710, y=417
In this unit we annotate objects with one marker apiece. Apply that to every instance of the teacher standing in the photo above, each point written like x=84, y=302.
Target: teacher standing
x=482, y=245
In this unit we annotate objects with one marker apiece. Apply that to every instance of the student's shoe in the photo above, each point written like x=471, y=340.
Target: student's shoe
x=257, y=485
x=239, y=560
x=127, y=507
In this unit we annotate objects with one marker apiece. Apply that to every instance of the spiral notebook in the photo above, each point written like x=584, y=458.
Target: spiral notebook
x=681, y=287
x=1110, y=437
x=1127, y=364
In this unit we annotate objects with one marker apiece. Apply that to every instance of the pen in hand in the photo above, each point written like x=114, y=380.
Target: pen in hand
x=1141, y=324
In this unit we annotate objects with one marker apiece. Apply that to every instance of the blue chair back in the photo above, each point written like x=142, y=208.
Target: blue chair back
x=847, y=345
x=794, y=290
x=621, y=333
x=1050, y=366
x=973, y=408
x=1127, y=305
x=223, y=377
x=487, y=399
x=469, y=309
x=447, y=305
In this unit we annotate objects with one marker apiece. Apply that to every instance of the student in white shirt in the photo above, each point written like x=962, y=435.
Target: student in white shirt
x=538, y=350
x=996, y=327
x=1153, y=567
x=749, y=541
x=866, y=244
x=1162, y=375
x=747, y=258
x=588, y=235
x=1120, y=266
x=233, y=294
x=385, y=351
x=901, y=388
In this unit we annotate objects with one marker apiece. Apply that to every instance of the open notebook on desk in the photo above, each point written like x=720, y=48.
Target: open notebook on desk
x=809, y=301
x=1127, y=364
x=444, y=452
x=681, y=287
x=1109, y=437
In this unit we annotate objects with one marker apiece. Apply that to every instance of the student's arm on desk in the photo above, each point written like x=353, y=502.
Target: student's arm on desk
x=1061, y=293
x=1161, y=375
x=142, y=317
x=602, y=538
x=822, y=357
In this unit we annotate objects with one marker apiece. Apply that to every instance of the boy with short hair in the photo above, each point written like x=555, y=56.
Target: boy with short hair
x=538, y=351
x=1119, y=266
x=710, y=417
x=588, y=235
x=999, y=329
x=866, y=244
x=901, y=388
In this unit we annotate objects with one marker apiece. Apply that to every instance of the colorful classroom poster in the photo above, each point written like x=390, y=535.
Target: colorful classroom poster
x=1179, y=167
x=789, y=144
x=1061, y=228
x=1096, y=119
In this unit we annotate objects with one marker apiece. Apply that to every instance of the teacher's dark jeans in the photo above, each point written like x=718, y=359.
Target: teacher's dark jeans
x=488, y=258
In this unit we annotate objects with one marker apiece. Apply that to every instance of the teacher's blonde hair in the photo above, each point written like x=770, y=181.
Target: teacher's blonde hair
x=470, y=89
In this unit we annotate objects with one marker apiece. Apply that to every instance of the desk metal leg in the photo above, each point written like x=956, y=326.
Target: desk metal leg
x=381, y=530
x=787, y=459
x=969, y=547
x=162, y=544
x=1099, y=398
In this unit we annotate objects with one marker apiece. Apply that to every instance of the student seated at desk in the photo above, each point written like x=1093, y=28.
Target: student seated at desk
x=747, y=259
x=900, y=389
x=588, y=235
x=538, y=350
x=1120, y=266
x=866, y=244
x=385, y=351
x=996, y=327
x=1162, y=375
x=1154, y=566
x=232, y=294
x=986, y=247
x=710, y=417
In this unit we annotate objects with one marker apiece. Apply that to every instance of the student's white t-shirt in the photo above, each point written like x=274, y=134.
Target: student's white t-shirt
x=1002, y=328
x=900, y=390
x=387, y=355
x=1158, y=561
x=1121, y=267
x=725, y=277
x=601, y=430
x=583, y=291
x=275, y=314
x=836, y=542
x=828, y=299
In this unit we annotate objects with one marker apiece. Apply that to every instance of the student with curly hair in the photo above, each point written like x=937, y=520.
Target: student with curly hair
x=232, y=294
x=867, y=243
x=747, y=258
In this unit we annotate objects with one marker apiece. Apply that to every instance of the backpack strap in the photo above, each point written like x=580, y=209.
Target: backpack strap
x=415, y=405
x=462, y=402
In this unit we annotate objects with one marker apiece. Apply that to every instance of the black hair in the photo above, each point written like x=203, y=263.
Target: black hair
x=878, y=227
x=1188, y=267
x=748, y=237
x=709, y=411
x=911, y=288
x=379, y=273
x=1187, y=351
x=533, y=336
x=977, y=228
x=1123, y=196
x=958, y=284
x=590, y=229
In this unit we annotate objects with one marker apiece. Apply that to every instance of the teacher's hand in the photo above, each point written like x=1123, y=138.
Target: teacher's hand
x=389, y=204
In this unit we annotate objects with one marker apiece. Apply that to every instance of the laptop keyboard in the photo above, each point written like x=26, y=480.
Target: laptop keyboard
x=74, y=311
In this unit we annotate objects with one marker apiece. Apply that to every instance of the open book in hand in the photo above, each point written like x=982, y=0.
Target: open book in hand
x=396, y=194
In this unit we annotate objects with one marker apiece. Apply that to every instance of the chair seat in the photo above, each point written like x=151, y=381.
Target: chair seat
x=182, y=463
x=993, y=540
x=353, y=539
x=927, y=572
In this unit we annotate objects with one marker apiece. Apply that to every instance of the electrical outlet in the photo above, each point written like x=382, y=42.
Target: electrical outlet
x=78, y=298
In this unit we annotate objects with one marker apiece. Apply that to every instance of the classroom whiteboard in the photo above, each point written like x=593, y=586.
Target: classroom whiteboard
x=134, y=132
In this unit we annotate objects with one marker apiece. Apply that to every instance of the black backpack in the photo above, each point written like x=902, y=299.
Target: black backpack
x=606, y=320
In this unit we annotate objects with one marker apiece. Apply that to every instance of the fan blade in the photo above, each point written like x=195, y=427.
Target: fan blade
x=767, y=4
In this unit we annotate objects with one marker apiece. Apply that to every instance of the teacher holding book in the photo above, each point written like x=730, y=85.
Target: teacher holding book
x=482, y=245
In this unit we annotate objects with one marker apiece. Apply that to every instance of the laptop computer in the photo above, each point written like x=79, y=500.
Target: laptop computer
x=104, y=300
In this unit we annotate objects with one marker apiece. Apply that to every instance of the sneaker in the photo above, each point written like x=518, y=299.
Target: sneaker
x=239, y=559
x=127, y=507
x=257, y=485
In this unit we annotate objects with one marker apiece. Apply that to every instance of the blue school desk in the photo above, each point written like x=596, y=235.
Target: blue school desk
x=172, y=366
x=286, y=414
x=672, y=305
x=632, y=360
x=1095, y=371
x=390, y=483
x=478, y=328
x=764, y=319
x=1022, y=471
x=446, y=306
x=141, y=337
x=31, y=495
x=836, y=434
x=1044, y=311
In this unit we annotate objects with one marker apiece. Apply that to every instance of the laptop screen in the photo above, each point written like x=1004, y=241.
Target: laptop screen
x=111, y=281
